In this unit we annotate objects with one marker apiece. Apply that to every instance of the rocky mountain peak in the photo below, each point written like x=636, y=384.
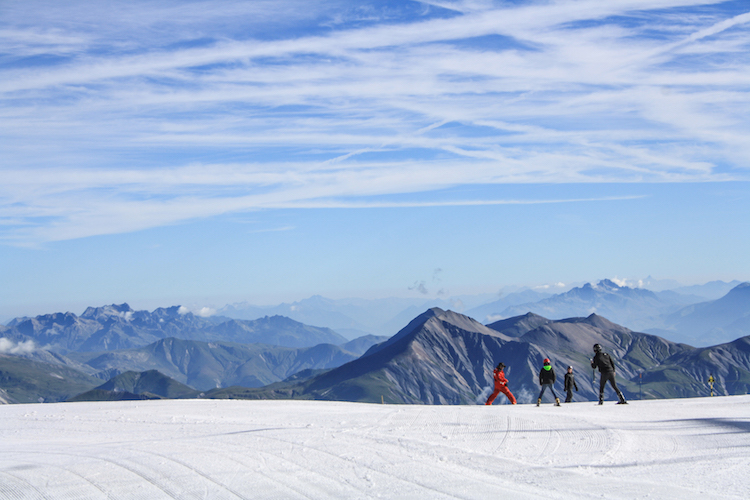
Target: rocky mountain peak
x=122, y=310
x=608, y=285
x=414, y=325
x=600, y=322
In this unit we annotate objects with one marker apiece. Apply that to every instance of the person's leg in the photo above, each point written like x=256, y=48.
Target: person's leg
x=554, y=395
x=569, y=396
x=492, y=396
x=613, y=383
x=539, y=399
x=541, y=393
x=509, y=394
x=602, y=382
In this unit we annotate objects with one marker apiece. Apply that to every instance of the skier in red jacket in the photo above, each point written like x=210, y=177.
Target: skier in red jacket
x=501, y=385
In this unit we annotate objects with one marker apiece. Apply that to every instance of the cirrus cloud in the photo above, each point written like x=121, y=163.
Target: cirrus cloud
x=106, y=132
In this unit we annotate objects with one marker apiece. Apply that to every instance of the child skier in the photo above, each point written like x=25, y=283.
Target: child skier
x=570, y=384
x=547, y=379
x=501, y=385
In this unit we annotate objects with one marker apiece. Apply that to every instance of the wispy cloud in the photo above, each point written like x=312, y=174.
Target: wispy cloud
x=112, y=127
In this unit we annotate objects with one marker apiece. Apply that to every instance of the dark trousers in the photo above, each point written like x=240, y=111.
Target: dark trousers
x=544, y=388
x=609, y=376
x=569, y=398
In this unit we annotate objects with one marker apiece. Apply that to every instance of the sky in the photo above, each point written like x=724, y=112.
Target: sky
x=205, y=152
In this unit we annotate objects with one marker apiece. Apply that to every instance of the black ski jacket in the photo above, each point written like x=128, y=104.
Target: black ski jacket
x=604, y=362
x=547, y=377
x=570, y=382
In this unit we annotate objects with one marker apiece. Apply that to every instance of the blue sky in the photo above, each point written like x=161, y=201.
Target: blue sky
x=208, y=152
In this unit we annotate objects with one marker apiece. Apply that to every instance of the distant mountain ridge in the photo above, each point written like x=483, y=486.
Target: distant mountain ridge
x=714, y=321
x=662, y=313
x=150, y=384
x=208, y=365
x=635, y=307
x=120, y=327
x=710, y=291
x=487, y=313
x=354, y=317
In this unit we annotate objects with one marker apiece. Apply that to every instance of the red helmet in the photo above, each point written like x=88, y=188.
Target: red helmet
x=546, y=361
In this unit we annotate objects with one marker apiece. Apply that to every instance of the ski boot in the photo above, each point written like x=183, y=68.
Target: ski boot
x=539, y=401
x=622, y=400
x=557, y=401
x=601, y=402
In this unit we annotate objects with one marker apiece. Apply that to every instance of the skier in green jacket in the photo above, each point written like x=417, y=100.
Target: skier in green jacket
x=547, y=379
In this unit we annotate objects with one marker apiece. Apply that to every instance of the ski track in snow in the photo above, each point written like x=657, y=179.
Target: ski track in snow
x=223, y=449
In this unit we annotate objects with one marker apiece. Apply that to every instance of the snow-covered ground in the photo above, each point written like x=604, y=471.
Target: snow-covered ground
x=686, y=448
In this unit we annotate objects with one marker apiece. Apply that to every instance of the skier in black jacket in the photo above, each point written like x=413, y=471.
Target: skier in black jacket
x=547, y=379
x=570, y=384
x=606, y=366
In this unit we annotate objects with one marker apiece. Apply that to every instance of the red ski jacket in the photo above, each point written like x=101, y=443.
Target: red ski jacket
x=500, y=379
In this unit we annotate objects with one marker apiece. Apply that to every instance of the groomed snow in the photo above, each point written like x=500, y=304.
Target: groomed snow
x=685, y=448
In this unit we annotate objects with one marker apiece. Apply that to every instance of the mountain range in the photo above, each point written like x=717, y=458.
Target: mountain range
x=440, y=357
x=47, y=350
x=39, y=374
x=712, y=321
x=681, y=318
x=116, y=327
x=354, y=317
x=443, y=357
x=644, y=308
x=641, y=308
x=208, y=365
x=636, y=307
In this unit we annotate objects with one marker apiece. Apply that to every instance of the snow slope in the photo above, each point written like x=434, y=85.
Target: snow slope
x=684, y=448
